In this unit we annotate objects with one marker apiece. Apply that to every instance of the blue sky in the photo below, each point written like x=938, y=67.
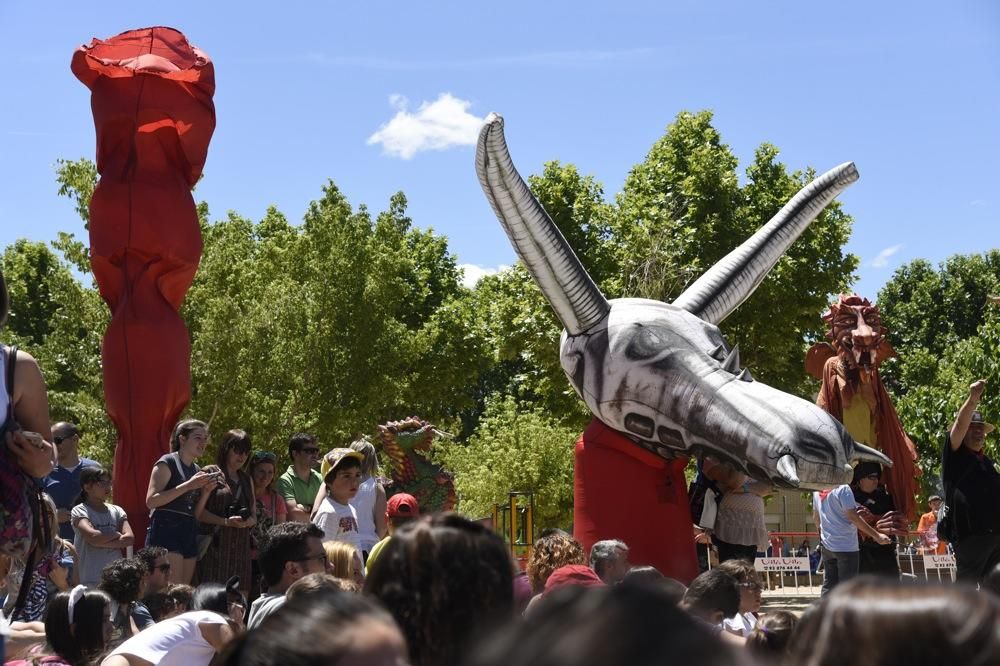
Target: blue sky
x=381, y=96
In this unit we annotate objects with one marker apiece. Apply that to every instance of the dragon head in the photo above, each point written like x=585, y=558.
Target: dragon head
x=856, y=333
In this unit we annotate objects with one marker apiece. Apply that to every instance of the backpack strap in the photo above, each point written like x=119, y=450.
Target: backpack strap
x=10, y=362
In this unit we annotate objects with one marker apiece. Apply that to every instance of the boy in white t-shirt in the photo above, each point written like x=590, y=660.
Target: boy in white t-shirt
x=341, y=471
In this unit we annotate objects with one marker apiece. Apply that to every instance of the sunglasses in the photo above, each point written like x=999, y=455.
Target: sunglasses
x=319, y=558
x=60, y=440
x=264, y=455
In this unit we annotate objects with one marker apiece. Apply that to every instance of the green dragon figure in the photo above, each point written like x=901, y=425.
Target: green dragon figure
x=407, y=444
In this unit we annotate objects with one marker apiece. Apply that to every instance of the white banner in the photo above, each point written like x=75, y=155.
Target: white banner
x=939, y=561
x=781, y=564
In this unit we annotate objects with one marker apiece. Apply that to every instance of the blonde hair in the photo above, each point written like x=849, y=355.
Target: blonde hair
x=369, y=466
x=341, y=556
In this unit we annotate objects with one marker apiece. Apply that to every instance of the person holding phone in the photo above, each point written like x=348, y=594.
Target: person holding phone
x=174, y=487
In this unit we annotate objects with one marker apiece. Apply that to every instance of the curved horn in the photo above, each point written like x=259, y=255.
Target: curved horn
x=571, y=292
x=864, y=453
x=734, y=277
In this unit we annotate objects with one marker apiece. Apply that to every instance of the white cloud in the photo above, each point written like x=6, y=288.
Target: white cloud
x=471, y=273
x=883, y=257
x=438, y=125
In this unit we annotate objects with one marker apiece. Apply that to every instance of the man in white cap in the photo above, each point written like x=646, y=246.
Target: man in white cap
x=972, y=490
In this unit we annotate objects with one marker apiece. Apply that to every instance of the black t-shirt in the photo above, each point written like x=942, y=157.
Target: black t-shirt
x=972, y=490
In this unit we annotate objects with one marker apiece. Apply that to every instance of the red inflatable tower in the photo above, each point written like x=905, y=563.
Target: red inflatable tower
x=154, y=117
x=623, y=491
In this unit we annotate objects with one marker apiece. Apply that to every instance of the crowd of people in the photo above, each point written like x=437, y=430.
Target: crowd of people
x=316, y=565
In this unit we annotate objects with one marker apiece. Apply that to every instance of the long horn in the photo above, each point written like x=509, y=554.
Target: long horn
x=864, y=453
x=734, y=277
x=571, y=292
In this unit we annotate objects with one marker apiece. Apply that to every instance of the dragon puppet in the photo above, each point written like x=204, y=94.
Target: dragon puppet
x=853, y=393
x=407, y=443
x=662, y=382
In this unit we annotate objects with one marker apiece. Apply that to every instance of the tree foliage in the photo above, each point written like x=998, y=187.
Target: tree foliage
x=60, y=322
x=946, y=335
x=683, y=209
x=332, y=326
x=516, y=448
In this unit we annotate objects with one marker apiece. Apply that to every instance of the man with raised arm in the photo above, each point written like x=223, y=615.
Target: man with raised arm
x=972, y=490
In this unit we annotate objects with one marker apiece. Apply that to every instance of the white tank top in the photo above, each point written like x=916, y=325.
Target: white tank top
x=364, y=505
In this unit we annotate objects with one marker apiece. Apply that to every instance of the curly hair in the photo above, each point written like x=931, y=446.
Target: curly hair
x=446, y=580
x=122, y=579
x=550, y=553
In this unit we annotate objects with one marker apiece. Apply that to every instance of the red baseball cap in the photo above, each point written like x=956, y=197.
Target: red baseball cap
x=402, y=504
x=573, y=574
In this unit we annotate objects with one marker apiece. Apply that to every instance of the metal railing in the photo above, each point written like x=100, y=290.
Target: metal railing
x=801, y=573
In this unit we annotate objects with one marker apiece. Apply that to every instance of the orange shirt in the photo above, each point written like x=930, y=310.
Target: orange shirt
x=927, y=528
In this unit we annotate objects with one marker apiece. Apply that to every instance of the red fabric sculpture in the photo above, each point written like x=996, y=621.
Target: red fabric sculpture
x=623, y=491
x=853, y=393
x=154, y=117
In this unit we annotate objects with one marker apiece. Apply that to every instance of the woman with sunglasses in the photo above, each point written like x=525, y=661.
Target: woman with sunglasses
x=228, y=510
x=101, y=530
x=271, y=509
x=877, y=508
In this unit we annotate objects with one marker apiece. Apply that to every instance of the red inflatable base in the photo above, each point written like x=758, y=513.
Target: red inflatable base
x=625, y=492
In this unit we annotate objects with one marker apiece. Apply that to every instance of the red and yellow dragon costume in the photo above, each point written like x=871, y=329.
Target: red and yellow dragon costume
x=853, y=393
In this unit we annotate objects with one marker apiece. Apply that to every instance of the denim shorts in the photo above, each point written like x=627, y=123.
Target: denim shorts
x=177, y=532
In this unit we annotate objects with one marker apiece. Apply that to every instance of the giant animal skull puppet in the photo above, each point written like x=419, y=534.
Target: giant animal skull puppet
x=661, y=373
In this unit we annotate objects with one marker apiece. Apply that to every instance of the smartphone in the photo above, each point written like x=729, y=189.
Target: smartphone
x=34, y=438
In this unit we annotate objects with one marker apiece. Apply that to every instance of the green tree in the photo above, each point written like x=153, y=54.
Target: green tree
x=675, y=213
x=516, y=448
x=59, y=322
x=77, y=180
x=928, y=310
x=332, y=326
x=682, y=209
x=946, y=335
